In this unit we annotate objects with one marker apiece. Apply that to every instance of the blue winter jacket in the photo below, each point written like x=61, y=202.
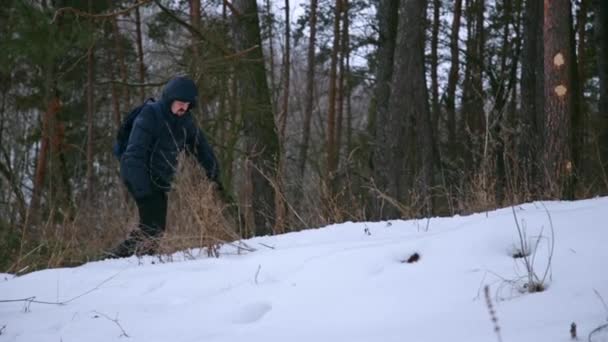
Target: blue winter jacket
x=158, y=136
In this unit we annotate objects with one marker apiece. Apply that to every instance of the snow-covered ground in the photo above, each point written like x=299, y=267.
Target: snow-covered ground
x=346, y=282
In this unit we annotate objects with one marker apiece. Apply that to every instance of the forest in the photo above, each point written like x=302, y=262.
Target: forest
x=319, y=111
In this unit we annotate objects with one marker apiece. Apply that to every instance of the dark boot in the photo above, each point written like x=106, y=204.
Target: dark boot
x=129, y=246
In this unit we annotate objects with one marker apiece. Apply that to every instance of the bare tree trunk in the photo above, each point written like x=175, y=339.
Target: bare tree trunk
x=121, y=60
x=529, y=142
x=47, y=132
x=195, y=21
x=90, y=115
x=602, y=61
x=473, y=113
x=260, y=136
x=558, y=59
x=140, y=56
x=331, y=144
x=273, y=86
x=309, y=95
x=383, y=164
x=580, y=119
x=197, y=66
x=347, y=85
x=409, y=114
x=281, y=208
x=453, y=79
x=435, y=64
x=341, y=80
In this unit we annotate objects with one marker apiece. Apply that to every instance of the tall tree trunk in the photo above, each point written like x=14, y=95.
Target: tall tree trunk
x=140, y=56
x=450, y=99
x=580, y=112
x=347, y=85
x=331, y=148
x=90, y=122
x=529, y=141
x=274, y=90
x=558, y=58
x=309, y=95
x=341, y=78
x=260, y=137
x=122, y=66
x=48, y=129
x=408, y=109
x=197, y=67
x=473, y=114
x=602, y=61
x=435, y=64
x=281, y=208
x=195, y=21
x=388, y=20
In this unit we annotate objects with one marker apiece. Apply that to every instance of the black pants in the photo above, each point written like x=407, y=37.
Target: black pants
x=153, y=213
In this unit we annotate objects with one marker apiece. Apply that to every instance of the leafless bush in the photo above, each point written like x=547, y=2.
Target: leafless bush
x=197, y=217
x=534, y=282
x=73, y=240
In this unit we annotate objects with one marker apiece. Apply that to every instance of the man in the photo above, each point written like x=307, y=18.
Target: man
x=160, y=132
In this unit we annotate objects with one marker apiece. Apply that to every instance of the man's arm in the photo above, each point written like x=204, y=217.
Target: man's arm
x=134, y=162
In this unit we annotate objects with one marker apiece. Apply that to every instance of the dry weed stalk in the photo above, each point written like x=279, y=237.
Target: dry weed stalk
x=534, y=282
x=196, y=216
x=74, y=240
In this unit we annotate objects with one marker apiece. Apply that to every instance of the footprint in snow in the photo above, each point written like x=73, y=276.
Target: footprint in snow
x=252, y=312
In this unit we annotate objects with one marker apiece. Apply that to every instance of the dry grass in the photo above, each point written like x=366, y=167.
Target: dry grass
x=75, y=240
x=197, y=219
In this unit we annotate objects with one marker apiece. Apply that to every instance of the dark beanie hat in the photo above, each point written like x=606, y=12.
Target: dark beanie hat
x=180, y=88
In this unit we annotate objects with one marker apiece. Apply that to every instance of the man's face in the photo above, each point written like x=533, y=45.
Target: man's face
x=179, y=108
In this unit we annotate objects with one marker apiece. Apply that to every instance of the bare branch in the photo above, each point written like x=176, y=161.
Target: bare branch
x=257, y=273
x=232, y=8
x=115, y=320
x=32, y=299
x=602, y=300
x=81, y=13
x=192, y=29
x=596, y=330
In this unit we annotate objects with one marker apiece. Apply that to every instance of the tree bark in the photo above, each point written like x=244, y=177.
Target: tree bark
x=281, y=208
x=309, y=93
x=453, y=80
x=120, y=55
x=382, y=166
x=90, y=122
x=408, y=111
x=331, y=148
x=347, y=84
x=558, y=60
x=473, y=123
x=260, y=137
x=435, y=109
x=274, y=90
x=529, y=141
x=602, y=61
x=140, y=56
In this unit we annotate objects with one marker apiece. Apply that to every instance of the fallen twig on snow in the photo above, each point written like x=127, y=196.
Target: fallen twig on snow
x=115, y=320
x=32, y=299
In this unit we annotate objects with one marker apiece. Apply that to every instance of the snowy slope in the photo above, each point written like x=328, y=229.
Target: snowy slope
x=345, y=282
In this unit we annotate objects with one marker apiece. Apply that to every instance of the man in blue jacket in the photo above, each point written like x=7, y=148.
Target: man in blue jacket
x=160, y=132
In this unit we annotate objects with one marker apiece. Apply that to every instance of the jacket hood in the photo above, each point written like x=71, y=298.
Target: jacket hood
x=182, y=89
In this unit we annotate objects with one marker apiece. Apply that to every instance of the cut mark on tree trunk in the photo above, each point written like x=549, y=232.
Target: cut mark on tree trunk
x=561, y=90
x=559, y=60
